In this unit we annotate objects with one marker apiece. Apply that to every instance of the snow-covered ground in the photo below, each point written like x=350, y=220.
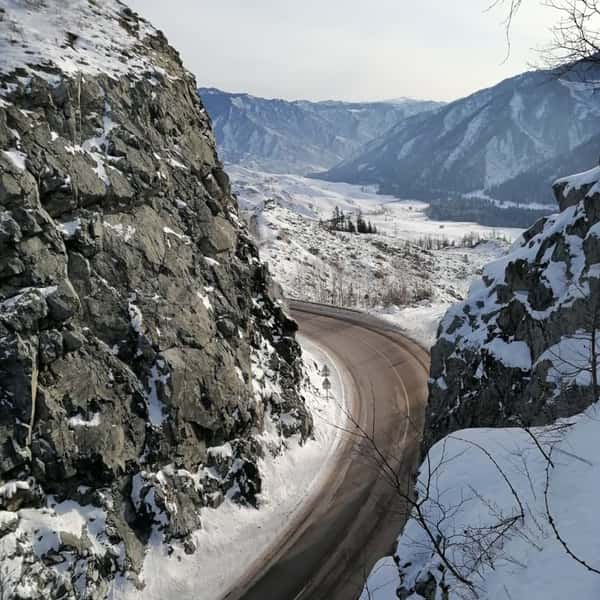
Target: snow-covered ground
x=317, y=199
x=83, y=37
x=408, y=273
x=476, y=503
x=234, y=538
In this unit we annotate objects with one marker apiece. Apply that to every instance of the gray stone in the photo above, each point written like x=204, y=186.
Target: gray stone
x=107, y=347
x=51, y=346
x=73, y=340
x=64, y=302
x=226, y=327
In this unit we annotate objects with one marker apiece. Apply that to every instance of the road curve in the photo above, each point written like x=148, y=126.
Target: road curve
x=356, y=517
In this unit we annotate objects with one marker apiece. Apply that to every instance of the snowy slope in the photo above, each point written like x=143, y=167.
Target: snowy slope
x=298, y=136
x=408, y=273
x=476, y=144
x=528, y=561
x=82, y=38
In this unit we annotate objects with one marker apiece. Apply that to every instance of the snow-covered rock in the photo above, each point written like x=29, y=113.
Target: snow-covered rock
x=520, y=350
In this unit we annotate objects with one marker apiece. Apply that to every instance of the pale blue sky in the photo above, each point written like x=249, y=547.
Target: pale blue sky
x=348, y=49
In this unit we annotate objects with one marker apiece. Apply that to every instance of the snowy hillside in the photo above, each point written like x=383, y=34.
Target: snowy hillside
x=512, y=512
x=52, y=43
x=298, y=136
x=409, y=272
x=476, y=147
x=508, y=517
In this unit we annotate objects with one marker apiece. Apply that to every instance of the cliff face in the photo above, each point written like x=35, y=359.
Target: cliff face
x=522, y=348
x=140, y=348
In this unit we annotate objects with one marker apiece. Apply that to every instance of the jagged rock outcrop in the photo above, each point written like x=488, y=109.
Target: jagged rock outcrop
x=140, y=349
x=520, y=349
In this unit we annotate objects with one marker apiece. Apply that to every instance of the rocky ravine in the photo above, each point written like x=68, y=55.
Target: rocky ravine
x=518, y=351
x=140, y=348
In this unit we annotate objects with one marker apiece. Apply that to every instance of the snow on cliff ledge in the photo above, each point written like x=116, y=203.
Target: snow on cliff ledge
x=46, y=37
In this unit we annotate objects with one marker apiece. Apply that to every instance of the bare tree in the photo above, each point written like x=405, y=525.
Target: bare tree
x=463, y=553
x=575, y=37
x=577, y=558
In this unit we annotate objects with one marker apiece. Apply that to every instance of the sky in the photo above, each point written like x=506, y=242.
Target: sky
x=354, y=50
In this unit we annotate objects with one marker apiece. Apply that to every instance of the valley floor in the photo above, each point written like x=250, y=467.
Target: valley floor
x=409, y=272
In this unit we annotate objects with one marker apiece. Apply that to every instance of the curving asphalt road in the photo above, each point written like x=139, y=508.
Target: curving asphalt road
x=355, y=518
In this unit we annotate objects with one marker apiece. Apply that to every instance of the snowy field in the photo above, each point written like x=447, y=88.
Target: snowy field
x=408, y=273
x=316, y=199
x=233, y=538
x=478, y=502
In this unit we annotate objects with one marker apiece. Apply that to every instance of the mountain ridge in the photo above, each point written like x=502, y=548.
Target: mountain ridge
x=298, y=136
x=481, y=143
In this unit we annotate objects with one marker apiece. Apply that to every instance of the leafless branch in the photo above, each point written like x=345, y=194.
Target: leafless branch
x=554, y=526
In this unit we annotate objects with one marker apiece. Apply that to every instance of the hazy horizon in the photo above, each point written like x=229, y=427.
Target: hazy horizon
x=346, y=50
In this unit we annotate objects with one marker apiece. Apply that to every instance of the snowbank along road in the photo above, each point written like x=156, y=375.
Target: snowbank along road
x=331, y=547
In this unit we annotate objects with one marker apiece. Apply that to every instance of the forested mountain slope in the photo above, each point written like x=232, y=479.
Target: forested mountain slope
x=300, y=136
x=506, y=143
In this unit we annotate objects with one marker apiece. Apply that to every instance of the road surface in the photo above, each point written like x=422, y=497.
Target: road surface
x=354, y=520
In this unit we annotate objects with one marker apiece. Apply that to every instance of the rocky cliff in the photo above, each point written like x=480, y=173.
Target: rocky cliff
x=522, y=348
x=140, y=348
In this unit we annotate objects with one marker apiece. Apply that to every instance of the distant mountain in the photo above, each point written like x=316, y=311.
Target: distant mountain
x=503, y=144
x=300, y=136
x=531, y=185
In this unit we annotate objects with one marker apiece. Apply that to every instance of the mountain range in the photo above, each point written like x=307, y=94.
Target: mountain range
x=503, y=144
x=493, y=153
x=300, y=136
